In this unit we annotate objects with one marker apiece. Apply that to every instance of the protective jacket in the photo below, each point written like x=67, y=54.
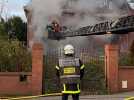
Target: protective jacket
x=70, y=71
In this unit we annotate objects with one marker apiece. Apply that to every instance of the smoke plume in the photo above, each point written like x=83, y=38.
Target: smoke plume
x=86, y=12
x=42, y=10
x=73, y=14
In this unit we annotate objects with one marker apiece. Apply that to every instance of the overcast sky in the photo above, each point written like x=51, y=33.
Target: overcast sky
x=14, y=7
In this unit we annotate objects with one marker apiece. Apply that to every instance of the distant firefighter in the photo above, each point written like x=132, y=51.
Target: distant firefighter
x=55, y=26
x=54, y=30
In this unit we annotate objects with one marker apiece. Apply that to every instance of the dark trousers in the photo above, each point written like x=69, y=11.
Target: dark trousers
x=74, y=96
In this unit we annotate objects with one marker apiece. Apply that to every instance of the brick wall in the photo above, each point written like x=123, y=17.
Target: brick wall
x=18, y=83
x=126, y=73
x=10, y=84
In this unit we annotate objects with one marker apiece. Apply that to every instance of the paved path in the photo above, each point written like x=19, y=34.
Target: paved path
x=120, y=96
x=93, y=97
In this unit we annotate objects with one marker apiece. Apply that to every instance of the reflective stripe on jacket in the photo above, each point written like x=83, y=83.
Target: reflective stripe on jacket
x=71, y=89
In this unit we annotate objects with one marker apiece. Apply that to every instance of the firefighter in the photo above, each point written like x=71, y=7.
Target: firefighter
x=55, y=26
x=54, y=30
x=70, y=70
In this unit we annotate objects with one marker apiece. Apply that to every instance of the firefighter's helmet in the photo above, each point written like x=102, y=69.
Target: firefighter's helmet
x=68, y=49
x=54, y=22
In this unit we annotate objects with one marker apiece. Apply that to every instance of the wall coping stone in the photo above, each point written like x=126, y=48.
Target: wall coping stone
x=15, y=73
x=126, y=67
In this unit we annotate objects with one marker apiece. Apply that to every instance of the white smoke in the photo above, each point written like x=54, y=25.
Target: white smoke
x=43, y=10
x=89, y=12
x=86, y=12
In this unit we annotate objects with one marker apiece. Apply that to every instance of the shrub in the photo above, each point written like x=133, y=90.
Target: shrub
x=94, y=78
x=14, y=56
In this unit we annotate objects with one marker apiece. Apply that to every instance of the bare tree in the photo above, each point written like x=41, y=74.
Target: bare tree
x=2, y=7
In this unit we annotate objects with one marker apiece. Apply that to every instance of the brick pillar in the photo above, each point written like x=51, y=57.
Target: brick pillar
x=37, y=68
x=111, y=67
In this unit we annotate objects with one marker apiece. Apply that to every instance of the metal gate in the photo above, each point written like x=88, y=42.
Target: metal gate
x=93, y=81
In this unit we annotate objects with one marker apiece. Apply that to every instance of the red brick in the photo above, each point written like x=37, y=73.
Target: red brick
x=111, y=67
x=126, y=74
x=10, y=84
x=37, y=68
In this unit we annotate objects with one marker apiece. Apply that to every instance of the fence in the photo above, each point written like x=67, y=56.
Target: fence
x=93, y=81
x=125, y=59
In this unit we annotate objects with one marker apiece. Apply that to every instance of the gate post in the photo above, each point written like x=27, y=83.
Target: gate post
x=37, y=68
x=111, y=67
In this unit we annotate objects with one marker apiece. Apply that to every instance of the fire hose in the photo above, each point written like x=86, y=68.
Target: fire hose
x=131, y=98
x=37, y=96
